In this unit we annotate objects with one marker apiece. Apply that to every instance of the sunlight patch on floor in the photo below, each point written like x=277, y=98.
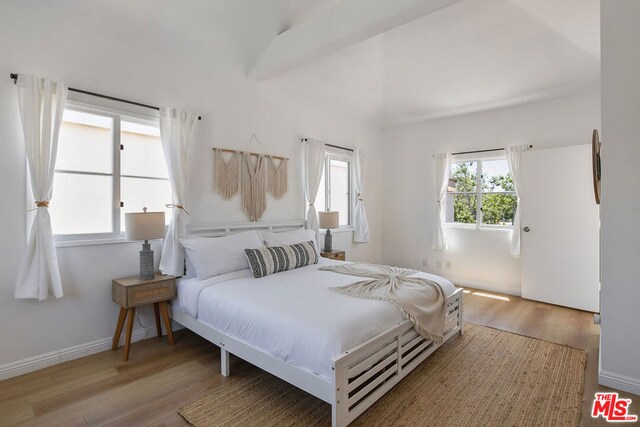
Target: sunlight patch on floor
x=485, y=295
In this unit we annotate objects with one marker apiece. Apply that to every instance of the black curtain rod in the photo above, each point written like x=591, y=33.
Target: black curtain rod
x=481, y=151
x=14, y=77
x=333, y=146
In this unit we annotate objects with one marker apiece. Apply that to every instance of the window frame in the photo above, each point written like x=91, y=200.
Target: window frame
x=344, y=156
x=478, y=225
x=117, y=115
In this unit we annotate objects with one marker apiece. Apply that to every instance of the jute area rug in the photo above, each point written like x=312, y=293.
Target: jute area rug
x=487, y=377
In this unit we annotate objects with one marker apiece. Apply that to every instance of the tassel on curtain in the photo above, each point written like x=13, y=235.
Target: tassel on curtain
x=41, y=103
x=176, y=127
x=313, y=161
x=442, y=170
x=361, y=223
x=513, y=155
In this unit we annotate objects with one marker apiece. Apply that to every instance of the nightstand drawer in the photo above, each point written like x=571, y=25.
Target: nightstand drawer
x=337, y=255
x=145, y=294
x=334, y=255
x=133, y=292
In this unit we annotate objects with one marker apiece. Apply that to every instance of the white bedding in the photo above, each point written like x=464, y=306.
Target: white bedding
x=292, y=315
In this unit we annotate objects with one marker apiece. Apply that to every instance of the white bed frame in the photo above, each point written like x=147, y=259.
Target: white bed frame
x=361, y=375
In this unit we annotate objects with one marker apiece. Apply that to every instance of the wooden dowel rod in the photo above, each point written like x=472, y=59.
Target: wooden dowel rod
x=229, y=150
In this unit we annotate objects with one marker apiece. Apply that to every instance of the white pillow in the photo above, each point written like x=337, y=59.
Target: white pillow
x=212, y=256
x=292, y=237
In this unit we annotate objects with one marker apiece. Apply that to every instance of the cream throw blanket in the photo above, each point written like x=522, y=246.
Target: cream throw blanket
x=420, y=300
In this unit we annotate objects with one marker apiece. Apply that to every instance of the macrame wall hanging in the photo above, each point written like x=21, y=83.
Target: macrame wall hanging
x=254, y=197
x=227, y=174
x=276, y=177
x=268, y=174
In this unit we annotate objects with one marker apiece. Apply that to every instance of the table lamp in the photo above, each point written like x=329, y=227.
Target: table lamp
x=144, y=226
x=328, y=220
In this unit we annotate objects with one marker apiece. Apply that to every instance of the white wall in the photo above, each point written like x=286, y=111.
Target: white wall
x=478, y=257
x=620, y=289
x=131, y=50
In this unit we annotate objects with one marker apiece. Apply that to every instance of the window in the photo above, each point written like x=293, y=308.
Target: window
x=481, y=192
x=108, y=164
x=335, y=187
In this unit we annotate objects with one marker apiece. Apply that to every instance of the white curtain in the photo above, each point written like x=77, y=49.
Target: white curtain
x=175, y=131
x=513, y=154
x=313, y=162
x=41, y=103
x=442, y=168
x=361, y=224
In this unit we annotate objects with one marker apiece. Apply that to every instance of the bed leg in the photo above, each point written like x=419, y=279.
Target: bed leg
x=225, y=369
x=339, y=406
x=334, y=415
x=336, y=419
x=460, y=315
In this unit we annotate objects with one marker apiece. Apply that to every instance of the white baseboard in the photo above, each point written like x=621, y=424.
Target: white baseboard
x=485, y=286
x=30, y=364
x=619, y=382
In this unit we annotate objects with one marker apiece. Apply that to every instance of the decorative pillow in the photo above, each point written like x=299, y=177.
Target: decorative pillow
x=274, y=259
x=290, y=237
x=211, y=256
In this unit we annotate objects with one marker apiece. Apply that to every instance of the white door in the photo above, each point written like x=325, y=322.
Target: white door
x=560, y=223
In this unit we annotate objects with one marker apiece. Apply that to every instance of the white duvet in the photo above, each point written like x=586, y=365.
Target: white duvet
x=292, y=315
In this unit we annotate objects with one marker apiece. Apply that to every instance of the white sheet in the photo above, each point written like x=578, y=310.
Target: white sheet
x=292, y=315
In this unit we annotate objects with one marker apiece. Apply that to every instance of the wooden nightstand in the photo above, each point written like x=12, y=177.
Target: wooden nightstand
x=335, y=254
x=132, y=292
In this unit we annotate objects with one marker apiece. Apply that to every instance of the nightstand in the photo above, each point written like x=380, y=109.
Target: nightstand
x=132, y=292
x=335, y=254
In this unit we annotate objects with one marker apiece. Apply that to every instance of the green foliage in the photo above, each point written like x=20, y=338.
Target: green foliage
x=465, y=177
x=465, y=205
x=497, y=208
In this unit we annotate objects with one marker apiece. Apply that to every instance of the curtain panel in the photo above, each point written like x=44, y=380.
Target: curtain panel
x=313, y=152
x=41, y=103
x=513, y=155
x=176, y=127
x=360, y=221
x=442, y=170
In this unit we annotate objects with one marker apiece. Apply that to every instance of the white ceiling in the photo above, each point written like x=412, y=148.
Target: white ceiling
x=471, y=56
x=297, y=11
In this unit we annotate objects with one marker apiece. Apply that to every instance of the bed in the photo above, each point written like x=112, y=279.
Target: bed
x=349, y=353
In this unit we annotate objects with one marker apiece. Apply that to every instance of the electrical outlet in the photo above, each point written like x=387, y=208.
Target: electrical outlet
x=425, y=262
x=448, y=265
x=439, y=264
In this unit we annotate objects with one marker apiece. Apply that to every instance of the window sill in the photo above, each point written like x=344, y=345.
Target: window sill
x=474, y=227
x=92, y=242
x=342, y=229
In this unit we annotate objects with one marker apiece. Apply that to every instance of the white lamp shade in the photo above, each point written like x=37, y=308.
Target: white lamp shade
x=144, y=225
x=328, y=219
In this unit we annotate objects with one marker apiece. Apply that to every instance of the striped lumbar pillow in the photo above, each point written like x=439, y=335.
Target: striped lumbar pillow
x=273, y=259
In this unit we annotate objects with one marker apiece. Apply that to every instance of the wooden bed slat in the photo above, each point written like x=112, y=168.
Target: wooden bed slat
x=412, y=344
x=373, y=371
x=409, y=357
x=373, y=385
x=369, y=361
x=408, y=337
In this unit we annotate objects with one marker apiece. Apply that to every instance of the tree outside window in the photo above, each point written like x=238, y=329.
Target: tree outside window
x=481, y=192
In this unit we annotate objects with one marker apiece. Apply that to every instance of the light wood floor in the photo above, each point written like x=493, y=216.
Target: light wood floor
x=102, y=390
